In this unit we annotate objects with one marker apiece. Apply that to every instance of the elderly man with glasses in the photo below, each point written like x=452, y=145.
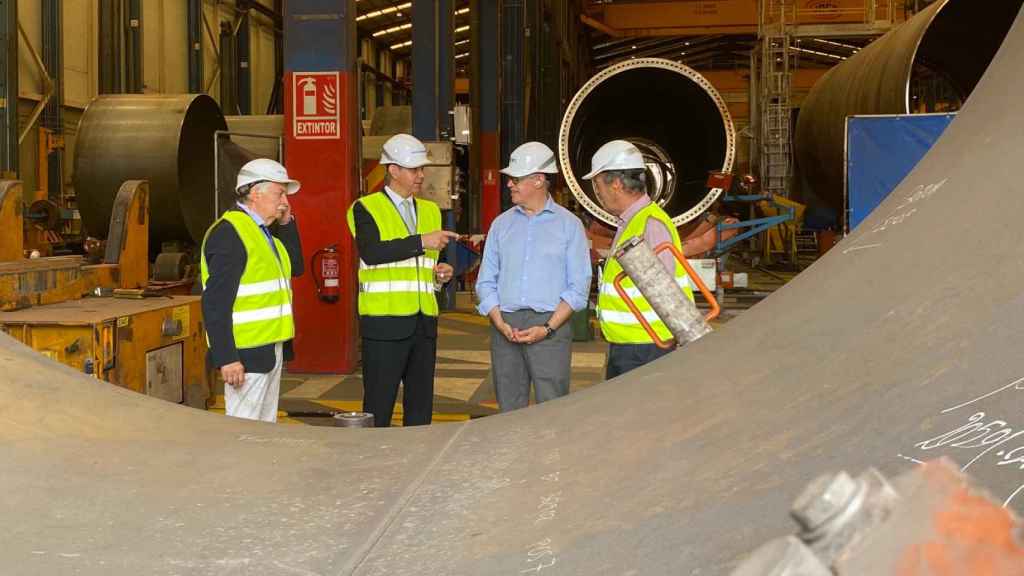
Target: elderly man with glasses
x=249, y=256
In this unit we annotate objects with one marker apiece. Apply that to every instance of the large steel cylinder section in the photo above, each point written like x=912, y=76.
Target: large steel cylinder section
x=165, y=139
x=946, y=47
x=671, y=113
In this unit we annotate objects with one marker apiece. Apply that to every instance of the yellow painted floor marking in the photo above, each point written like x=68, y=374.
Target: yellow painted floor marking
x=315, y=387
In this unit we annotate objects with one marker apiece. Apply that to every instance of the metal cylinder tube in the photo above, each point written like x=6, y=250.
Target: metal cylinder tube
x=165, y=139
x=660, y=290
x=669, y=111
x=951, y=39
x=353, y=420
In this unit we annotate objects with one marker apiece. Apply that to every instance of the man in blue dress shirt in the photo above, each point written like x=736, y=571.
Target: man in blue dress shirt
x=535, y=273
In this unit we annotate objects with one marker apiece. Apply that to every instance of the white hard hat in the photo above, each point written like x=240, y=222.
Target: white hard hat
x=615, y=155
x=531, y=158
x=404, y=150
x=265, y=170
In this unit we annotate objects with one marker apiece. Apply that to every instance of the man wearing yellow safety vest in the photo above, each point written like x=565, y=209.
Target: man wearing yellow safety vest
x=399, y=237
x=247, y=297
x=618, y=174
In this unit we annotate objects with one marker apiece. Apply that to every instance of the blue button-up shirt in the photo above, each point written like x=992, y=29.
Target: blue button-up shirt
x=533, y=262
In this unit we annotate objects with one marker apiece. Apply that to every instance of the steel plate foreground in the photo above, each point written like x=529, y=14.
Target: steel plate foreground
x=902, y=344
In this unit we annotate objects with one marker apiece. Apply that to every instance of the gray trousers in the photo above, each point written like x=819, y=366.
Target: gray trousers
x=546, y=363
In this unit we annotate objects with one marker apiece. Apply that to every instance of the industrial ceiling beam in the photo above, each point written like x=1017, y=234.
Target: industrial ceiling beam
x=403, y=31
x=683, y=44
x=724, y=17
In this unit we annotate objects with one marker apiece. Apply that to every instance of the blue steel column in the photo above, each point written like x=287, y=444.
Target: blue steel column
x=9, y=87
x=53, y=114
x=433, y=66
x=433, y=90
x=244, y=76
x=195, y=46
x=512, y=83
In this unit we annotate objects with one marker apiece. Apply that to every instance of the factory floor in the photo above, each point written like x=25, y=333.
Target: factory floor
x=463, y=386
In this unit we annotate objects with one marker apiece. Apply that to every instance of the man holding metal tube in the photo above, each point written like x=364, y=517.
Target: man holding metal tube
x=618, y=174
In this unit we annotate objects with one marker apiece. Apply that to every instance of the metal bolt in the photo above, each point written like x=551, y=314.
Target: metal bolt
x=823, y=499
x=353, y=420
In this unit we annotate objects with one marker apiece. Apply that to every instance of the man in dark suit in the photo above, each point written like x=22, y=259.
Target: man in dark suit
x=399, y=237
x=247, y=296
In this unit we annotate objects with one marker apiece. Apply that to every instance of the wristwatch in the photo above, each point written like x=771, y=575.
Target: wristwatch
x=549, y=329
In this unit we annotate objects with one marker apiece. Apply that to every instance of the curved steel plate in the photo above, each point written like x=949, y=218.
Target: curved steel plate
x=902, y=344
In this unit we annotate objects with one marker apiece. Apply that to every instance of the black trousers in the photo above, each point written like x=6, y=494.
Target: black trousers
x=624, y=357
x=409, y=361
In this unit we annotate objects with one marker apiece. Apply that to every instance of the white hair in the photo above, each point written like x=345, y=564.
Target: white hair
x=245, y=191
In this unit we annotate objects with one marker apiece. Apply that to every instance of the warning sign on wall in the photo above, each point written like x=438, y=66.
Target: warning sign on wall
x=316, y=112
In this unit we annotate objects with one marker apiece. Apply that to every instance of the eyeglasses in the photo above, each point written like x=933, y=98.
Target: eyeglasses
x=517, y=179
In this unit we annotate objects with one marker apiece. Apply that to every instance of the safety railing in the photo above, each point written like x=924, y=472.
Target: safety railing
x=798, y=12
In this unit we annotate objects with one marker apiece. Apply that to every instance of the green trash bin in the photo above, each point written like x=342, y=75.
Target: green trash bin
x=581, y=330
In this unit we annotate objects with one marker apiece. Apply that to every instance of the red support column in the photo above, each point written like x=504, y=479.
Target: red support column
x=490, y=164
x=322, y=151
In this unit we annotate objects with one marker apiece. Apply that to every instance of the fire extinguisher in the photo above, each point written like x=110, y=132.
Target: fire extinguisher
x=326, y=273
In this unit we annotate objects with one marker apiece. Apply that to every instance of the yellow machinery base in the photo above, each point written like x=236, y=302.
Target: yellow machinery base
x=154, y=346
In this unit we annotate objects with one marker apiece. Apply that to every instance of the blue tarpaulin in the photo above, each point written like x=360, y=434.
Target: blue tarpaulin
x=880, y=152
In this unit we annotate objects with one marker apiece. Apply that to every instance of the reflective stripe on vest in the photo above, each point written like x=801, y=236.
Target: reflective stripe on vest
x=618, y=323
x=405, y=287
x=262, y=312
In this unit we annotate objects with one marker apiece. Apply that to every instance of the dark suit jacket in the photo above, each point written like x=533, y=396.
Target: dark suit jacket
x=373, y=251
x=226, y=259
